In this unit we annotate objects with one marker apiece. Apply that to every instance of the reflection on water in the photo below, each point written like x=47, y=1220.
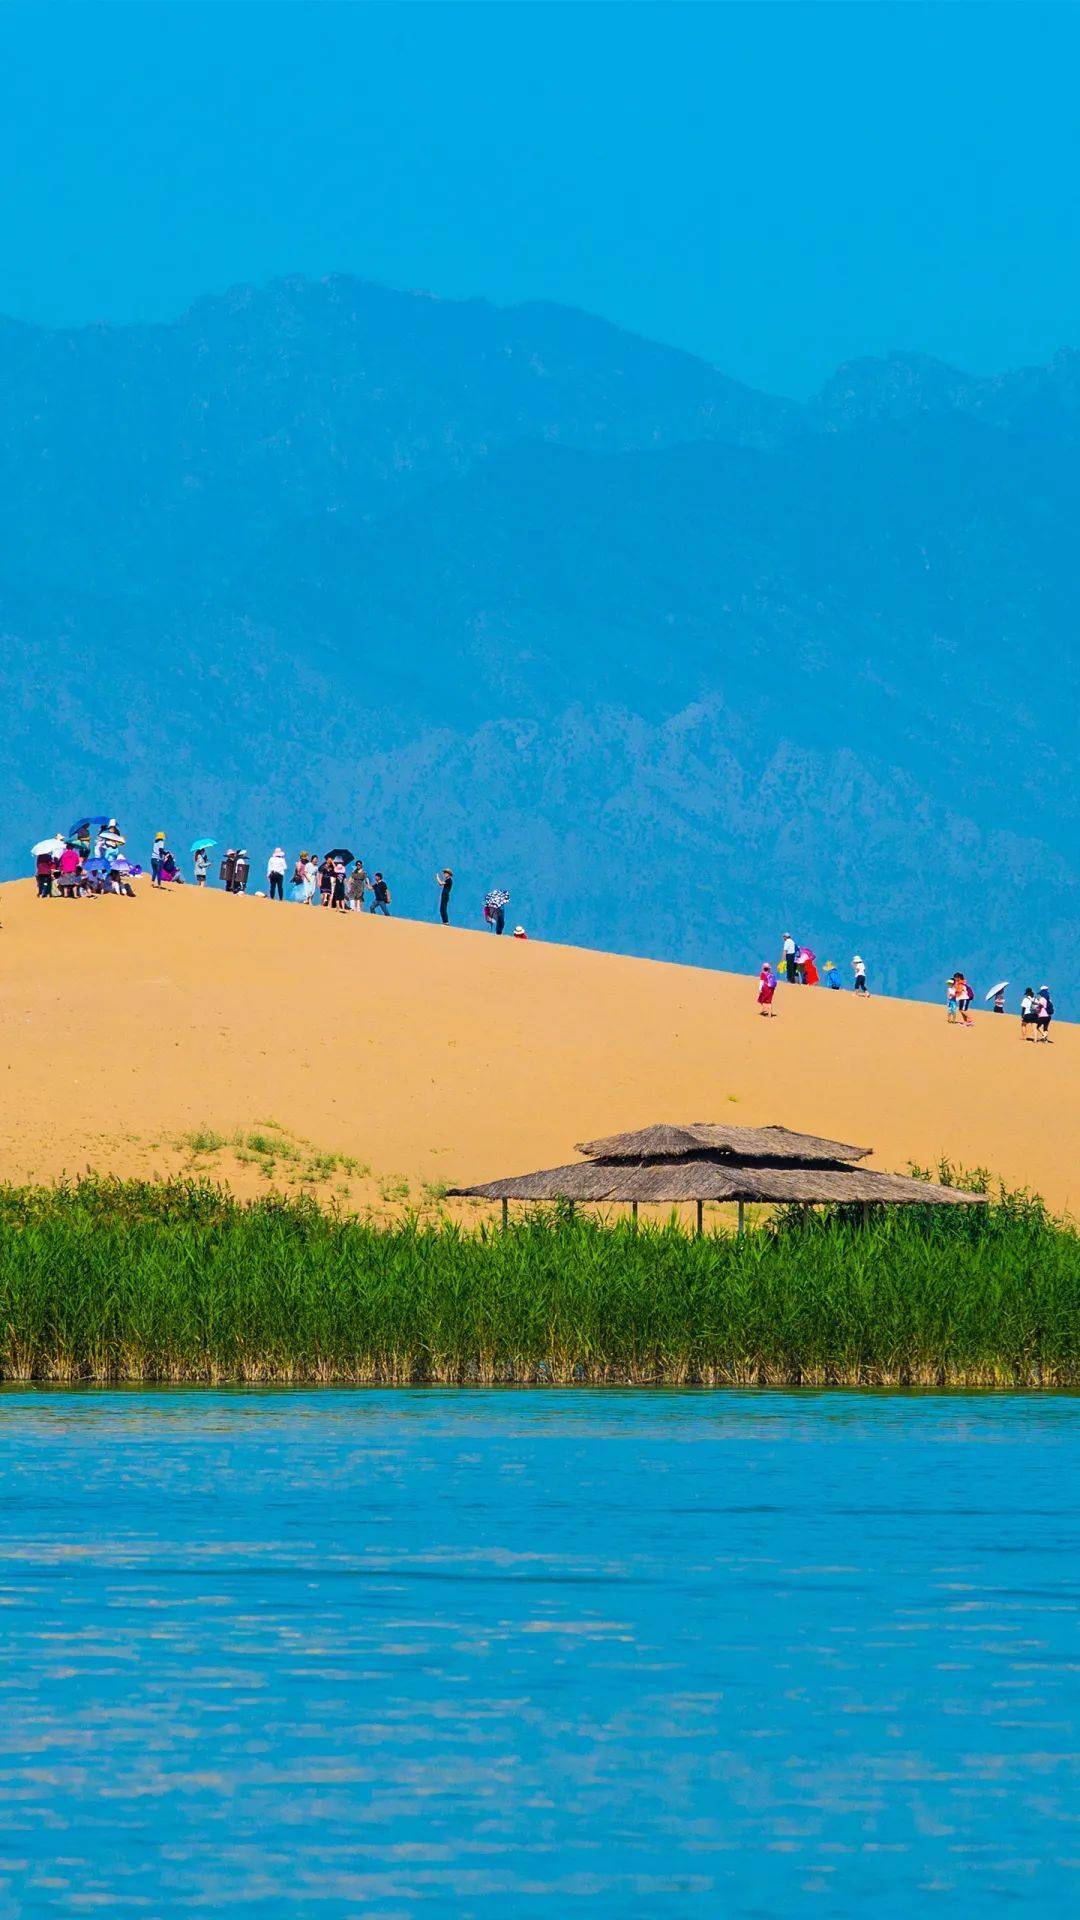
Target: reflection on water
x=392, y=1653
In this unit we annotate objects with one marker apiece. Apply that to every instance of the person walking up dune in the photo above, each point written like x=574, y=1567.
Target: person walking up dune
x=380, y=896
x=1044, y=1013
x=765, y=992
x=858, y=968
x=1027, y=1013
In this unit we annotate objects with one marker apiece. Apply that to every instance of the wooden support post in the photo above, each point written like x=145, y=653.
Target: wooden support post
x=506, y=1213
x=740, y=1216
x=633, y=1212
x=700, y=1216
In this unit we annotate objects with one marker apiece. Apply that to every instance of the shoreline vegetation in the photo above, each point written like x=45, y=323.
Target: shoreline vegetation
x=108, y=1281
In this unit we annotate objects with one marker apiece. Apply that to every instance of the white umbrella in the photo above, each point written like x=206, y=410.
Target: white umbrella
x=55, y=844
x=1000, y=988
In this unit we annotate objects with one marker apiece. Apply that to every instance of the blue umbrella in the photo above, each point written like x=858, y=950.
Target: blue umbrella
x=199, y=846
x=88, y=820
x=97, y=865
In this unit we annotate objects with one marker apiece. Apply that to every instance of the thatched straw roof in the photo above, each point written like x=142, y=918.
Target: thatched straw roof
x=697, y=1179
x=768, y=1144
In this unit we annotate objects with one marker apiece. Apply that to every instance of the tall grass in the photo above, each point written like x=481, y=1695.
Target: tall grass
x=179, y=1281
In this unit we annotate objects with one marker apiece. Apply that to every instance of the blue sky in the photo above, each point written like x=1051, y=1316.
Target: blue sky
x=777, y=188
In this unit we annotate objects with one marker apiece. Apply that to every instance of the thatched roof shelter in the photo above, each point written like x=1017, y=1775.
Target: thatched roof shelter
x=698, y=1163
x=675, y=1181
x=744, y=1144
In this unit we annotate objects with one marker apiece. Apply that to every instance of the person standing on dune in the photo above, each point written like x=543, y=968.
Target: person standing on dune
x=356, y=886
x=241, y=871
x=275, y=874
x=444, y=880
x=858, y=967
x=790, y=968
x=228, y=870
x=380, y=896
x=766, y=989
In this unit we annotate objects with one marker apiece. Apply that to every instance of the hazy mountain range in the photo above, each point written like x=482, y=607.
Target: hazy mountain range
x=679, y=663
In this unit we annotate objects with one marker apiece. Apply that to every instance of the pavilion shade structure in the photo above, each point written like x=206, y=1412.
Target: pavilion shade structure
x=666, y=1165
x=773, y=1145
x=659, y=1182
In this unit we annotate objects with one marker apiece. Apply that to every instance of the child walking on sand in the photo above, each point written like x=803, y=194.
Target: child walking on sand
x=766, y=989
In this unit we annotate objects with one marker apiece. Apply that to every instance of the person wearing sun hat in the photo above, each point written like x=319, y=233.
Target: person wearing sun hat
x=832, y=976
x=275, y=874
x=858, y=965
x=157, y=854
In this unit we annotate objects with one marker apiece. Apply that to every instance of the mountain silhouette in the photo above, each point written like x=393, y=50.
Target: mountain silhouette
x=678, y=663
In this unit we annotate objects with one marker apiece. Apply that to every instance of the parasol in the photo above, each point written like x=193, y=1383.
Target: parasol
x=98, y=864
x=340, y=853
x=85, y=821
x=54, y=845
x=1000, y=988
x=498, y=897
x=202, y=846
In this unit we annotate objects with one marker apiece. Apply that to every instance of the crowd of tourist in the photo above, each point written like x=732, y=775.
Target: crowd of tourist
x=798, y=966
x=91, y=859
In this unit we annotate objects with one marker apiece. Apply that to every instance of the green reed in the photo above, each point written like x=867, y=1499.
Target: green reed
x=179, y=1281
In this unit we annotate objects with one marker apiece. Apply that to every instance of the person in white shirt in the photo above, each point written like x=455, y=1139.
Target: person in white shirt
x=275, y=874
x=790, y=950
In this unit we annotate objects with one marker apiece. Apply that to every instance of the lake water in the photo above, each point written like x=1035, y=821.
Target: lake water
x=473, y=1653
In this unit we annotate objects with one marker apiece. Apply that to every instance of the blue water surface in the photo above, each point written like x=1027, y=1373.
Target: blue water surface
x=464, y=1653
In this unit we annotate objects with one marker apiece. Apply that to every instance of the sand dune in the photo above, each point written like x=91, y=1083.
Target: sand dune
x=432, y=1055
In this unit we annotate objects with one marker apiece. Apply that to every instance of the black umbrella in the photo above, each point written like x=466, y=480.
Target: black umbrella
x=340, y=853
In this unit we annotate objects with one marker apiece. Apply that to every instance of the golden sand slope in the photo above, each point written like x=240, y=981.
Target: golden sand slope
x=435, y=1055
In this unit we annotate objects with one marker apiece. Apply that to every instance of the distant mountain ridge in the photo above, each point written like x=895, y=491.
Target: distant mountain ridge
x=676, y=661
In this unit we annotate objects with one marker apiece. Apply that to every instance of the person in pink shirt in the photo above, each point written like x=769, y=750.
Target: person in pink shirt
x=69, y=873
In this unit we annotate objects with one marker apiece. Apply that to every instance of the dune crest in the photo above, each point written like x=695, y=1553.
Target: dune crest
x=383, y=1060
